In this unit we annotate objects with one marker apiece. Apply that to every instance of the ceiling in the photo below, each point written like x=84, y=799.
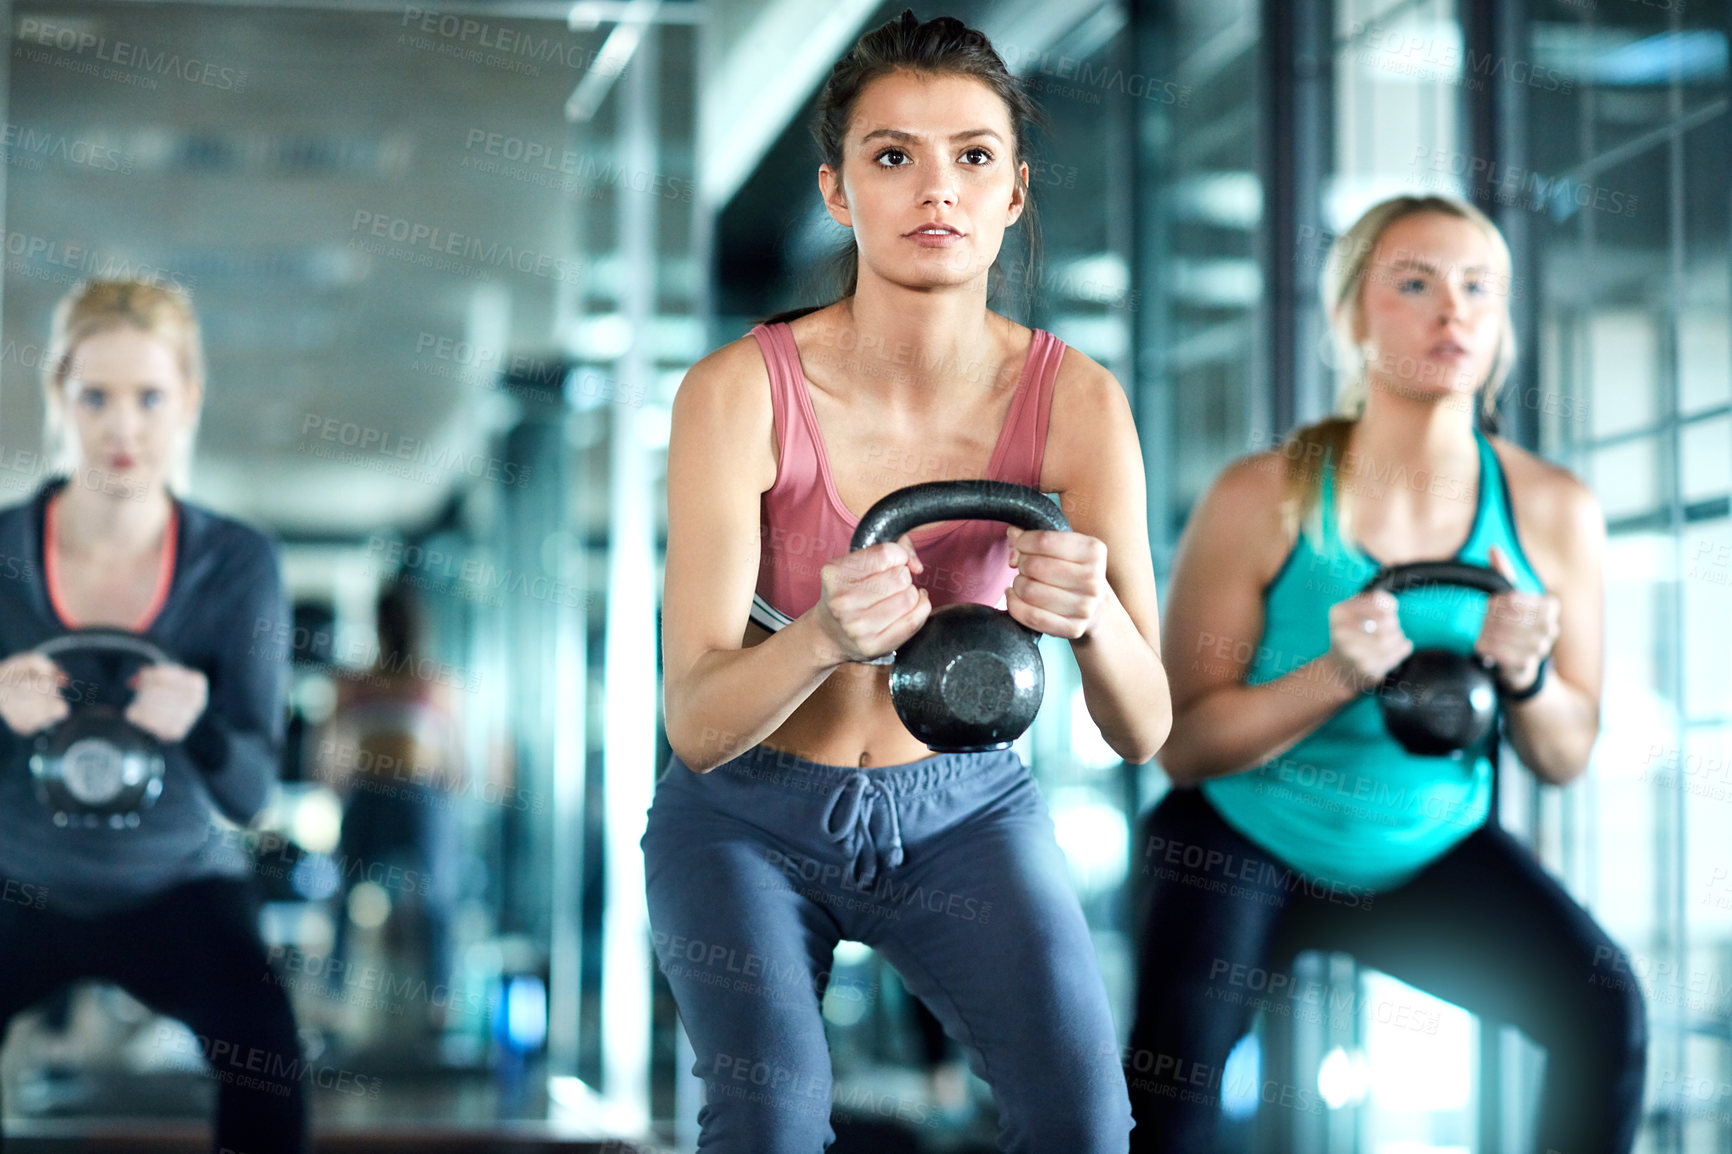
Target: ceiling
x=380, y=207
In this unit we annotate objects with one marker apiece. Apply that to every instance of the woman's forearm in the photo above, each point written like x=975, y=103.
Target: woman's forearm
x=1243, y=726
x=732, y=699
x=1124, y=684
x=1553, y=732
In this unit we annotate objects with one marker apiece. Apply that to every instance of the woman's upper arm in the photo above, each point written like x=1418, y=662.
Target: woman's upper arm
x=721, y=459
x=250, y=689
x=1095, y=465
x=1570, y=562
x=1232, y=546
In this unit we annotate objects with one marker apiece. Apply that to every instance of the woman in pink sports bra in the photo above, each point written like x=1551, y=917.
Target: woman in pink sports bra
x=798, y=811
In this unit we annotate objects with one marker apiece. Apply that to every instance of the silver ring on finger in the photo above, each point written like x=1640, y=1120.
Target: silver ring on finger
x=1368, y=625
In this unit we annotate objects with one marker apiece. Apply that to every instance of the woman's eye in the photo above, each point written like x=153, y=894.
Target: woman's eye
x=150, y=398
x=977, y=156
x=891, y=158
x=1410, y=284
x=1478, y=288
x=91, y=398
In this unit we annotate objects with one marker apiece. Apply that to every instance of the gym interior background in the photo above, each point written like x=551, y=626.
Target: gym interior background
x=453, y=260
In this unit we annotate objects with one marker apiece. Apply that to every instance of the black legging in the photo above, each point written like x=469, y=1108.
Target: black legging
x=1484, y=927
x=194, y=954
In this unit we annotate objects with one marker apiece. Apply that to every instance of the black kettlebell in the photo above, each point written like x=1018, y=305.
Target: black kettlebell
x=95, y=768
x=971, y=678
x=1438, y=702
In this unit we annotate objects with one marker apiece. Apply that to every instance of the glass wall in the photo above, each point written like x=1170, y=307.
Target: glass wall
x=1626, y=188
x=1202, y=388
x=1203, y=385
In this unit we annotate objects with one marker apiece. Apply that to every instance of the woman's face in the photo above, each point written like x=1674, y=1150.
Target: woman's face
x=128, y=406
x=929, y=181
x=1434, y=304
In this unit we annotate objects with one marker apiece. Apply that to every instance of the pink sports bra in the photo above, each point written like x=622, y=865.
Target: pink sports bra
x=804, y=525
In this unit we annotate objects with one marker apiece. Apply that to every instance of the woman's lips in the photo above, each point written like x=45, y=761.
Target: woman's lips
x=934, y=236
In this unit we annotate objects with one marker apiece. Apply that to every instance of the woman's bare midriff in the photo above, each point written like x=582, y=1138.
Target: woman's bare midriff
x=848, y=720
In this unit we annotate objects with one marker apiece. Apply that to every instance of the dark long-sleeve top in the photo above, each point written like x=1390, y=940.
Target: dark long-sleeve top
x=225, y=615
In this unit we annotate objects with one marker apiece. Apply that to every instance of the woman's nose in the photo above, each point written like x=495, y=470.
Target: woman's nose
x=121, y=421
x=1452, y=302
x=940, y=191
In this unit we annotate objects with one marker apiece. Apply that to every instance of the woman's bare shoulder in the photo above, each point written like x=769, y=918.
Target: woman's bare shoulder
x=1554, y=511
x=1243, y=515
x=1083, y=381
x=1544, y=489
x=723, y=407
x=735, y=368
x=1090, y=418
x=1253, y=487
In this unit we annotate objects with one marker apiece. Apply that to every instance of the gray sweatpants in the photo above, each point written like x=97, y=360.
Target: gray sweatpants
x=948, y=868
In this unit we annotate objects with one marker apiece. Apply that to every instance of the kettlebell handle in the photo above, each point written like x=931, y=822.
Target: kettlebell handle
x=1462, y=575
x=1417, y=574
x=118, y=640
x=922, y=504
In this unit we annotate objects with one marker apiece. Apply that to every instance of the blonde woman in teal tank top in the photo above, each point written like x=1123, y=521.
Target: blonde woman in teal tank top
x=1296, y=821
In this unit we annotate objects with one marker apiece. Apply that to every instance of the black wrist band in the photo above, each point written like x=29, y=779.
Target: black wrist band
x=1532, y=690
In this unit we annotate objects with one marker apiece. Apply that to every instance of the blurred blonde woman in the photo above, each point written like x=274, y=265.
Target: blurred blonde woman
x=1296, y=820
x=163, y=907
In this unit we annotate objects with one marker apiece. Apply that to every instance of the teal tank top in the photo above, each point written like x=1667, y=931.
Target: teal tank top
x=1347, y=806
